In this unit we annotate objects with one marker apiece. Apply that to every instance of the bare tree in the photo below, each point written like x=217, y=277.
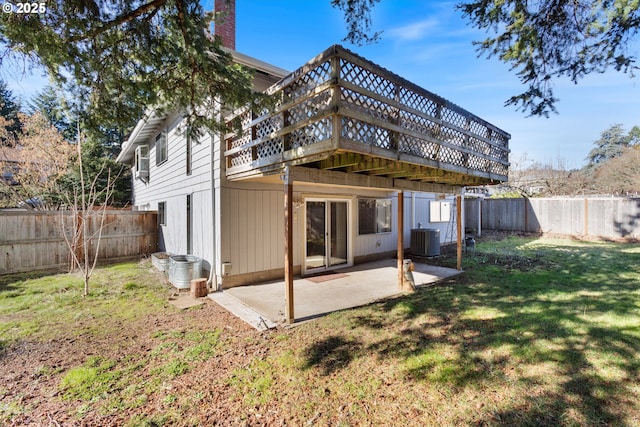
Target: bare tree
x=88, y=209
x=40, y=157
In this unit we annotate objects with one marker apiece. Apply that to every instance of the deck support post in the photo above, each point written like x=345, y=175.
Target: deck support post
x=400, y=238
x=479, y=233
x=288, y=246
x=459, y=230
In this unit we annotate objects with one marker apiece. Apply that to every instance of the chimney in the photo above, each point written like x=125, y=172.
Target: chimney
x=225, y=25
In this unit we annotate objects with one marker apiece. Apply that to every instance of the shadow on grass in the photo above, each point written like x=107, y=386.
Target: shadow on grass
x=11, y=282
x=574, y=308
x=331, y=354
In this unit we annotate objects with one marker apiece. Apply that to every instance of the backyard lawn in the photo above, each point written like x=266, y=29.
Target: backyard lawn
x=536, y=331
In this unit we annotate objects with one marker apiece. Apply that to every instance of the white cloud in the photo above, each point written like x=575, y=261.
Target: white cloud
x=413, y=31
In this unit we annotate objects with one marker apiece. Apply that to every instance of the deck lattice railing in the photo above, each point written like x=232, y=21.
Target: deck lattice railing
x=340, y=101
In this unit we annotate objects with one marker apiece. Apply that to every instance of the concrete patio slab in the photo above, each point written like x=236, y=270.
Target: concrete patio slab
x=346, y=288
x=242, y=310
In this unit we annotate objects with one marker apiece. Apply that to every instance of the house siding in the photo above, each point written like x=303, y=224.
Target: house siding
x=241, y=223
x=252, y=227
x=168, y=182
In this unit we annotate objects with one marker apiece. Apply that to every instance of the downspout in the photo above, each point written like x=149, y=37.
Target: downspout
x=413, y=209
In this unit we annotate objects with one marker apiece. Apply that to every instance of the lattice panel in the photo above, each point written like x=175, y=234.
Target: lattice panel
x=239, y=140
x=499, y=168
x=478, y=128
x=499, y=139
x=419, y=124
x=479, y=146
x=418, y=147
x=245, y=136
x=265, y=128
x=451, y=156
x=308, y=81
x=453, y=117
x=366, y=133
x=367, y=79
x=499, y=154
x=309, y=107
x=272, y=147
x=418, y=102
x=312, y=133
x=365, y=105
x=240, y=158
x=476, y=163
x=452, y=136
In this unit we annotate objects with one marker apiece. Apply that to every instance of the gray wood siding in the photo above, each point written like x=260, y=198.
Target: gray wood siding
x=253, y=229
x=169, y=183
x=252, y=223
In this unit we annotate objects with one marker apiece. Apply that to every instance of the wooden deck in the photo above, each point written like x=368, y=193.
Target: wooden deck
x=343, y=113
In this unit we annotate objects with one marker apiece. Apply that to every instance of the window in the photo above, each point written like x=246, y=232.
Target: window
x=189, y=154
x=439, y=211
x=141, y=163
x=161, y=148
x=374, y=216
x=191, y=139
x=162, y=213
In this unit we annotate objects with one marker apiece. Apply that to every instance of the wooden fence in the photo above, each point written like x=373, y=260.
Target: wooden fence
x=613, y=218
x=35, y=240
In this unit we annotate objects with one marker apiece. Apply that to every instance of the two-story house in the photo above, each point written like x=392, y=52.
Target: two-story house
x=352, y=159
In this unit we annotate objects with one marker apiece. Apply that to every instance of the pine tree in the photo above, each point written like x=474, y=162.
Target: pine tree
x=541, y=40
x=9, y=109
x=120, y=57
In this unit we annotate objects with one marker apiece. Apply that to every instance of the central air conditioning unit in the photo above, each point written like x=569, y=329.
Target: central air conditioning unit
x=141, y=164
x=425, y=242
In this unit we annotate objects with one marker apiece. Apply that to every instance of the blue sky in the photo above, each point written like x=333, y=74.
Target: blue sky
x=429, y=43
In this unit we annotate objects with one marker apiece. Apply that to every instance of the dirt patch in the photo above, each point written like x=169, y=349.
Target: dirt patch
x=514, y=261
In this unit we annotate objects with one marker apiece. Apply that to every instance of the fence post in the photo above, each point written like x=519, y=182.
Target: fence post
x=49, y=247
x=586, y=216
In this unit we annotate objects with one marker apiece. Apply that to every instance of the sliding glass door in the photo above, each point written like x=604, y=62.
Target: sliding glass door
x=327, y=234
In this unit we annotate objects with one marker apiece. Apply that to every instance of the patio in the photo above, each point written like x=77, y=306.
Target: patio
x=263, y=305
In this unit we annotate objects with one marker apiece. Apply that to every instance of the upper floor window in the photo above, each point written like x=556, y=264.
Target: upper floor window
x=162, y=150
x=189, y=165
x=141, y=163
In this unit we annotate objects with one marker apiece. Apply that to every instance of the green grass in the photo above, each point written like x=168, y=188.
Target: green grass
x=109, y=386
x=536, y=331
x=46, y=308
x=550, y=329
x=38, y=307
